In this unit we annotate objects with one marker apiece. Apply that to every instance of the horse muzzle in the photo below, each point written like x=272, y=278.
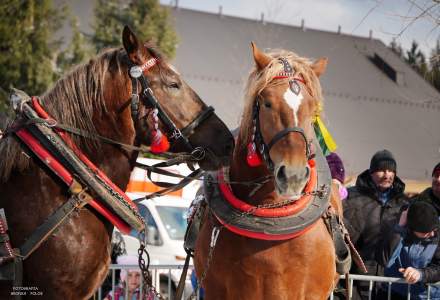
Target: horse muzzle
x=290, y=181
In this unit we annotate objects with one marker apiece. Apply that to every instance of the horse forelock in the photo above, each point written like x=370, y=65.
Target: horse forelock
x=258, y=80
x=73, y=100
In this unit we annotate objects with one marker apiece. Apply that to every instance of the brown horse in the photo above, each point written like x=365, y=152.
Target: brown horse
x=269, y=241
x=74, y=260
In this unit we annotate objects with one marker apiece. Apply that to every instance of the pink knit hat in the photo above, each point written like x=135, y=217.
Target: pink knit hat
x=127, y=260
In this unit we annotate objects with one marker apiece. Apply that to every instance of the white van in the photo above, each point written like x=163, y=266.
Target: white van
x=166, y=218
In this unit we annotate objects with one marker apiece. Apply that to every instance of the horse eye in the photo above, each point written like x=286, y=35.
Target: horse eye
x=173, y=85
x=267, y=104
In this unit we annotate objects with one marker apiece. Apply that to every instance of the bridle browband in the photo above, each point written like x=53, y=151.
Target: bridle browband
x=136, y=74
x=264, y=148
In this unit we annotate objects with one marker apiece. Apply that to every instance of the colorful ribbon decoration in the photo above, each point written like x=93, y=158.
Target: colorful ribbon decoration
x=324, y=137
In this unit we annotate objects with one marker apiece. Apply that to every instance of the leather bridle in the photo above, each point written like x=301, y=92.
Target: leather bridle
x=146, y=94
x=264, y=148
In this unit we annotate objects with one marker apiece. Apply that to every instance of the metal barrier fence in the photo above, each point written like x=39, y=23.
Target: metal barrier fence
x=389, y=281
x=166, y=277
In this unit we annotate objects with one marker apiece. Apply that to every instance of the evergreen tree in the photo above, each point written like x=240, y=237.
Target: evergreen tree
x=434, y=74
x=396, y=48
x=147, y=18
x=416, y=59
x=27, y=45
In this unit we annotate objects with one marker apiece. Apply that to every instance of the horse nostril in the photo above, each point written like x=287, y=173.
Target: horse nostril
x=307, y=174
x=281, y=174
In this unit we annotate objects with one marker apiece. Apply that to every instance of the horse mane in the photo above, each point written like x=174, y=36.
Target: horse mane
x=259, y=80
x=74, y=100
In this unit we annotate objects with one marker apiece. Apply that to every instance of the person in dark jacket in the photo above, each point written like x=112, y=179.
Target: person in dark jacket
x=432, y=194
x=412, y=251
x=372, y=208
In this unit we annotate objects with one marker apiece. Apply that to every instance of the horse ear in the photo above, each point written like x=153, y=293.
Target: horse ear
x=320, y=66
x=135, y=50
x=261, y=59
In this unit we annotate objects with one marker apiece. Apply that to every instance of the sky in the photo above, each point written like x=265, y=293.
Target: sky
x=404, y=20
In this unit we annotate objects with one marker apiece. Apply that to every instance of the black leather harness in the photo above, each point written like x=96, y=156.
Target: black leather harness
x=223, y=210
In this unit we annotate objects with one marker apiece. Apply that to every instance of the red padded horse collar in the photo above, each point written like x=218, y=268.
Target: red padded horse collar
x=280, y=223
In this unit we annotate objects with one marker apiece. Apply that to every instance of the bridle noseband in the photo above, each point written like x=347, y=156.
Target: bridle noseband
x=264, y=148
x=146, y=94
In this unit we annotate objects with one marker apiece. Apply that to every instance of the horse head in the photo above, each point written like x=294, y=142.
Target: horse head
x=283, y=97
x=152, y=92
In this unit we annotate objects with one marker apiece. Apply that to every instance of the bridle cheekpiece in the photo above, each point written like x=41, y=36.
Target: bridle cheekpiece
x=257, y=141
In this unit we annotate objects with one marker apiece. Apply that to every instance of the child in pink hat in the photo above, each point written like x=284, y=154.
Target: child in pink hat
x=129, y=278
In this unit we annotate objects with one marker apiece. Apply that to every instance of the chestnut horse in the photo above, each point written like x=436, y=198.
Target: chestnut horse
x=95, y=97
x=269, y=241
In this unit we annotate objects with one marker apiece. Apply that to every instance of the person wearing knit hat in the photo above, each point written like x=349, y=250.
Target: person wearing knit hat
x=412, y=251
x=432, y=194
x=383, y=160
x=383, y=169
x=372, y=207
x=337, y=171
x=422, y=219
x=130, y=280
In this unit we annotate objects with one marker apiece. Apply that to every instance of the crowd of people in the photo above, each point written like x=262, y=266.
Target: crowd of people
x=395, y=235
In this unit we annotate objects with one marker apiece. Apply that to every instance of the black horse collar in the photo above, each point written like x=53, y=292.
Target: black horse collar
x=271, y=228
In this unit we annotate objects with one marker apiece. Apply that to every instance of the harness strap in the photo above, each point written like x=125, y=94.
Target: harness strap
x=181, y=285
x=77, y=163
x=174, y=187
x=79, y=197
x=205, y=114
x=6, y=252
x=156, y=168
x=286, y=131
x=147, y=92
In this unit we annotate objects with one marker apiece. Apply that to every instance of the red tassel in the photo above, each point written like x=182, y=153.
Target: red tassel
x=159, y=142
x=312, y=163
x=253, y=158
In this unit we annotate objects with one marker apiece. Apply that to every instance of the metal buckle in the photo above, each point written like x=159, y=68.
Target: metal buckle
x=176, y=134
x=50, y=123
x=198, y=153
x=148, y=90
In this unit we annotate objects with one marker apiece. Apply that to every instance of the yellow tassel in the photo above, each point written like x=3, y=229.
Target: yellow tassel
x=328, y=139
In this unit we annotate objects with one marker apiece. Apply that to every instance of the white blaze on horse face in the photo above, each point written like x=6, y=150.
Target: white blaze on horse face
x=294, y=101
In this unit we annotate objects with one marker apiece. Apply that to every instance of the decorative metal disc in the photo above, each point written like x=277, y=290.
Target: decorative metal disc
x=294, y=87
x=135, y=71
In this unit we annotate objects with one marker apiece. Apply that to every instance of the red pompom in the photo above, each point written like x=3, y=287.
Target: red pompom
x=159, y=142
x=312, y=163
x=253, y=158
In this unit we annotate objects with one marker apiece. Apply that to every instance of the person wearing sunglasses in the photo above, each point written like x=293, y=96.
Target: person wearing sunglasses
x=412, y=252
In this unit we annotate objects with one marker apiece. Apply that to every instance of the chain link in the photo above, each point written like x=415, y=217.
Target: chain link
x=214, y=236
x=319, y=192
x=148, y=288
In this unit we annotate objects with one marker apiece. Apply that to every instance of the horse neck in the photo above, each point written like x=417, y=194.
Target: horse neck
x=117, y=163
x=240, y=171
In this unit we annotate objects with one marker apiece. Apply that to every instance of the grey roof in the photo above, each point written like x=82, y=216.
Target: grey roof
x=364, y=109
